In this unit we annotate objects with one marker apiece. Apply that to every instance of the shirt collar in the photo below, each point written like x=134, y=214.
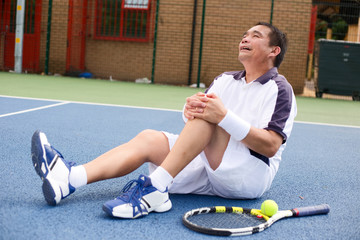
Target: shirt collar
x=273, y=72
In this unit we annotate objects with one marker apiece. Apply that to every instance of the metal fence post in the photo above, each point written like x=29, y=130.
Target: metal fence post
x=201, y=42
x=192, y=42
x=19, y=35
x=155, y=38
x=272, y=11
x=48, y=38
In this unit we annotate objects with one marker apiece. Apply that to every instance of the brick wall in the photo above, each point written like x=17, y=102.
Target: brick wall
x=294, y=19
x=225, y=21
x=58, y=36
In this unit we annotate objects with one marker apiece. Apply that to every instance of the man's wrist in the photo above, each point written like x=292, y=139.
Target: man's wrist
x=235, y=126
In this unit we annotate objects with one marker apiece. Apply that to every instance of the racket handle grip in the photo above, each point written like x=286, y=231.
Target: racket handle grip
x=311, y=210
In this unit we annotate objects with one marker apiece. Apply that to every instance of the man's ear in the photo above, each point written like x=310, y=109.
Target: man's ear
x=275, y=51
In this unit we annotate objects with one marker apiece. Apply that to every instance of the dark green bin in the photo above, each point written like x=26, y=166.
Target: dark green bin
x=338, y=68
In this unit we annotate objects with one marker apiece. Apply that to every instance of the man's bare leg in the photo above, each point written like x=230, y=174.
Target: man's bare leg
x=152, y=146
x=147, y=146
x=215, y=149
x=197, y=135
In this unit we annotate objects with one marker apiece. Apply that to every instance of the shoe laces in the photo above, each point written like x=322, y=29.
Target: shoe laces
x=134, y=194
x=129, y=192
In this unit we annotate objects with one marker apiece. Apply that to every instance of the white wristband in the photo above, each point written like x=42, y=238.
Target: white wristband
x=183, y=114
x=235, y=126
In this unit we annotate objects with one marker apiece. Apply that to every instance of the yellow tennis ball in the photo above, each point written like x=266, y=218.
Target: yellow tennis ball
x=269, y=207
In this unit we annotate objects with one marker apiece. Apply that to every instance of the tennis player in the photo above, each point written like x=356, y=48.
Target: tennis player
x=231, y=144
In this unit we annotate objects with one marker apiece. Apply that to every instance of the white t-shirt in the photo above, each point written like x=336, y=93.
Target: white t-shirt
x=267, y=102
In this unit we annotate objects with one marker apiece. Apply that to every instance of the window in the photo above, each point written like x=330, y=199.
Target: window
x=127, y=20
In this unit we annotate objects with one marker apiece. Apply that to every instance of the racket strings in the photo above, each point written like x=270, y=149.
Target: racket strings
x=226, y=220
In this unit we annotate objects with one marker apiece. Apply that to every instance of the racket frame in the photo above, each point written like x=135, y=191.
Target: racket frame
x=296, y=212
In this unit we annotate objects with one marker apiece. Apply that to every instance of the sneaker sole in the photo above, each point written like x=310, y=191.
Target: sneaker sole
x=48, y=192
x=122, y=215
x=166, y=206
x=37, y=153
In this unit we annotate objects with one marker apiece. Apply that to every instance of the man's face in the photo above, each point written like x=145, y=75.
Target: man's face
x=254, y=45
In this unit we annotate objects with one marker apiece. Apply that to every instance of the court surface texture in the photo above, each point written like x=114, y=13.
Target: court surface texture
x=320, y=165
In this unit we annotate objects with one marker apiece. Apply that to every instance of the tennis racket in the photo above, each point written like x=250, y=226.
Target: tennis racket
x=236, y=221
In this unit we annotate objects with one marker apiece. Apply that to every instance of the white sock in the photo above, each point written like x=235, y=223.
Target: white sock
x=161, y=179
x=78, y=176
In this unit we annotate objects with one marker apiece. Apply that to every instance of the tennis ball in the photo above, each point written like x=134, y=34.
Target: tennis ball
x=269, y=207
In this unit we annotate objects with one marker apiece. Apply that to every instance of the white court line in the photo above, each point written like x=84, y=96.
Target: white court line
x=162, y=109
x=34, y=109
x=328, y=124
x=93, y=103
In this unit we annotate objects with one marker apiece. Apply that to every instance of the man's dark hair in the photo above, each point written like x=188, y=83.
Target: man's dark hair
x=277, y=38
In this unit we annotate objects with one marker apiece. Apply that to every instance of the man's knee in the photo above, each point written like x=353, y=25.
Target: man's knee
x=154, y=144
x=149, y=136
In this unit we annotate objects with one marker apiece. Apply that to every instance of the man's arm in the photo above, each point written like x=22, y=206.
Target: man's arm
x=262, y=141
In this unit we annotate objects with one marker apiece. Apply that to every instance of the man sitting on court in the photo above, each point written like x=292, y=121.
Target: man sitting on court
x=231, y=144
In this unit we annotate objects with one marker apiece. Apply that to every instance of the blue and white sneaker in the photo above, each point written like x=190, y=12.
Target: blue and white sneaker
x=139, y=200
x=53, y=170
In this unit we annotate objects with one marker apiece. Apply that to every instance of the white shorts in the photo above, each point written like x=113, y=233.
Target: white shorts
x=240, y=175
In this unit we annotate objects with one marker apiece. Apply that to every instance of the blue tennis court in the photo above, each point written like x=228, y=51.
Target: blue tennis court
x=320, y=165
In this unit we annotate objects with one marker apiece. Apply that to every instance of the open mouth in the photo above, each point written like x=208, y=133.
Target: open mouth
x=245, y=48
